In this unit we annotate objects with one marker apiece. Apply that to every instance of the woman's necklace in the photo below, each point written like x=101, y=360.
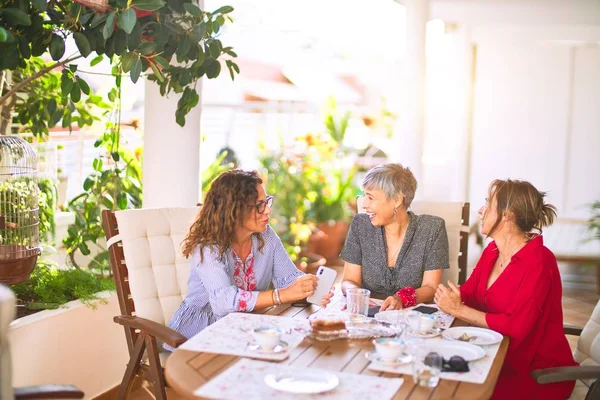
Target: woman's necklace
x=393, y=257
x=505, y=261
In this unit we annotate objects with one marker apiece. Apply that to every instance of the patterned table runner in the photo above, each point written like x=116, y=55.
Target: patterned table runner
x=249, y=376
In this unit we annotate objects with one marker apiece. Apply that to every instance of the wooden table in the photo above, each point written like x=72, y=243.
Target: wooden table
x=187, y=370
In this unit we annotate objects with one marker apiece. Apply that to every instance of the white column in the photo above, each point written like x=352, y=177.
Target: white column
x=171, y=166
x=409, y=139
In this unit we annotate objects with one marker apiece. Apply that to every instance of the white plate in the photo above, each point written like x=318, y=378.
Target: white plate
x=280, y=348
x=302, y=382
x=432, y=333
x=480, y=336
x=375, y=357
x=469, y=352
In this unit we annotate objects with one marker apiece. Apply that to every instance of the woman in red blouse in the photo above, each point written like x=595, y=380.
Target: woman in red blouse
x=516, y=290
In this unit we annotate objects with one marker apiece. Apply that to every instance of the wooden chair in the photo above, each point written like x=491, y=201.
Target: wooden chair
x=456, y=216
x=587, y=354
x=151, y=279
x=7, y=314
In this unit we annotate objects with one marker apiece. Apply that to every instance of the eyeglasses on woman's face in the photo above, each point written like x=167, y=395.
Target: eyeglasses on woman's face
x=261, y=206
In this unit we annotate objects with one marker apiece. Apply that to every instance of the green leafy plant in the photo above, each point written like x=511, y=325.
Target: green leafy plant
x=47, y=199
x=140, y=36
x=594, y=221
x=215, y=169
x=51, y=287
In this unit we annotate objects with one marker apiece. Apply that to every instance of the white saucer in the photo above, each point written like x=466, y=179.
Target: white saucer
x=403, y=359
x=432, y=333
x=306, y=382
x=282, y=347
x=477, y=336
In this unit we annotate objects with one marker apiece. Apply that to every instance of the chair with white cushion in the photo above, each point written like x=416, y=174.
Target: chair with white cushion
x=456, y=217
x=151, y=278
x=587, y=354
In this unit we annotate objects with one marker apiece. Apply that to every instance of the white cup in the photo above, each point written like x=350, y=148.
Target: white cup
x=389, y=349
x=421, y=323
x=267, y=337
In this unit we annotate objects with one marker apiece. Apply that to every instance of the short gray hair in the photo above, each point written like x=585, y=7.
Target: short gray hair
x=393, y=180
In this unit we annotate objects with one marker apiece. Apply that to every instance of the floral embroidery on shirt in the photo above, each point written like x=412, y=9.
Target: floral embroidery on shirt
x=244, y=278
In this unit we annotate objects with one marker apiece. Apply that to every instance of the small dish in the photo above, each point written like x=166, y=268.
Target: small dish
x=282, y=347
x=426, y=335
x=302, y=382
x=373, y=356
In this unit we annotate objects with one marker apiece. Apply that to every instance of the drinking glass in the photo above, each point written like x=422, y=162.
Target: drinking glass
x=358, y=303
x=427, y=367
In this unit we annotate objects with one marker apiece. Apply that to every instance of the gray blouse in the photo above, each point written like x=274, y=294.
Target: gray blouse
x=425, y=248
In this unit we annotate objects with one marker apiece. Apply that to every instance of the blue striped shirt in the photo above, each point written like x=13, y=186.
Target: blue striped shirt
x=214, y=291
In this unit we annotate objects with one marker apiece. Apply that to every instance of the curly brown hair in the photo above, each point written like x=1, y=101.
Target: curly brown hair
x=228, y=203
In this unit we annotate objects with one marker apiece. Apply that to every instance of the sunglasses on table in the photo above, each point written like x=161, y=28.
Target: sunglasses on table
x=453, y=364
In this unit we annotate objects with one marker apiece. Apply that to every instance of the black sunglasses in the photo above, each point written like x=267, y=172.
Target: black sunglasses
x=454, y=364
x=261, y=206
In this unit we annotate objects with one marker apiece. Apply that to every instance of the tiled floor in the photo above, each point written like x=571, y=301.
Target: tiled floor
x=577, y=308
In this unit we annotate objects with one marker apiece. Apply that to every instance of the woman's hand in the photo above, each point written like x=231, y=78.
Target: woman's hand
x=327, y=298
x=392, y=303
x=301, y=288
x=448, y=298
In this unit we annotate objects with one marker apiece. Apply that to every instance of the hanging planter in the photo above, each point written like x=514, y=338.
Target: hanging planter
x=19, y=220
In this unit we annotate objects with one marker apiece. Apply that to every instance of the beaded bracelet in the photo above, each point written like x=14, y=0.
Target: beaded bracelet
x=408, y=296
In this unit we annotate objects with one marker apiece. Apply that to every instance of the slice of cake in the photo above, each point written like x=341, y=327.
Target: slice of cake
x=321, y=325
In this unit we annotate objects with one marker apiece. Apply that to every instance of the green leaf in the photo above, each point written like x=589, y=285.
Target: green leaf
x=156, y=71
x=52, y=106
x=183, y=47
x=109, y=26
x=73, y=68
x=119, y=42
x=192, y=9
x=83, y=45
x=136, y=70
x=223, y=10
x=15, y=16
x=213, y=70
x=24, y=47
x=122, y=201
x=147, y=48
x=115, y=156
x=85, y=88
x=127, y=60
x=66, y=85
x=127, y=20
x=97, y=164
x=148, y=5
x=162, y=62
x=3, y=34
x=98, y=19
x=57, y=47
x=215, y=49
x=75, y=93
x=135, y=37
x=96, y=60
x=39, y=4
x=199, y=31
x=88, y=184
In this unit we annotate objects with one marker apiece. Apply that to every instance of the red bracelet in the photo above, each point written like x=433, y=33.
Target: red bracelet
x=408, y=295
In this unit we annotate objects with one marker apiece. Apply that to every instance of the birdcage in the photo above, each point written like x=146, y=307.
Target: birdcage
x=19, y=233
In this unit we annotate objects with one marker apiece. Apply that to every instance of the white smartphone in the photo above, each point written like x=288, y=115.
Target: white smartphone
x=326, y=278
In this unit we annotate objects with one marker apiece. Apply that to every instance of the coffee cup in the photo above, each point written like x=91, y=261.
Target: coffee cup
x=421, y=323
x=267, y=337
x=389, y=349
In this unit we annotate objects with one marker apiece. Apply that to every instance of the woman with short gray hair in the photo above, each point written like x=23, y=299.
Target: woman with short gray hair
x=389, y=250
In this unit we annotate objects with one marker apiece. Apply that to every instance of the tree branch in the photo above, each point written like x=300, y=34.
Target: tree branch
x=44, y=71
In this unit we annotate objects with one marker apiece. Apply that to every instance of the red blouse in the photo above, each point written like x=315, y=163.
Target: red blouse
x=524, y=303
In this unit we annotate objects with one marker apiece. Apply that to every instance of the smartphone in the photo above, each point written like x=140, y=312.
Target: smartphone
x=373, y=310
x=326, y=278
x=425, y=309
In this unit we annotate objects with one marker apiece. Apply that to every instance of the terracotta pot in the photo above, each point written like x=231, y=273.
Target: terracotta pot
x=329, y=240
x=309, y=262
x=16, y=270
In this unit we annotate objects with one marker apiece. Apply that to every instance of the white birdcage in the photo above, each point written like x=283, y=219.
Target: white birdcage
x=19, y=231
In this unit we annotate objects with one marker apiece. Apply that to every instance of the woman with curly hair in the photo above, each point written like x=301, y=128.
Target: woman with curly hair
x=235, y=255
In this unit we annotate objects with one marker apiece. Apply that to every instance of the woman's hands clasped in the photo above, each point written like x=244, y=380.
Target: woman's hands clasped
x=448, y=298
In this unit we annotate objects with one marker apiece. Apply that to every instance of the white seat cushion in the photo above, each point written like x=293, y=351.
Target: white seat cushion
x=587, y=352
x=7, y=314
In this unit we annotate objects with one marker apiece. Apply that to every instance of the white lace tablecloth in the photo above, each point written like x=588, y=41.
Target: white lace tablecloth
x=478, y=372
x=249, y=376
x=232, y=335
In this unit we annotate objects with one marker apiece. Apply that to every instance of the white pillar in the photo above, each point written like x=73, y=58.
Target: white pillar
x=409, y=139
x=171, y=169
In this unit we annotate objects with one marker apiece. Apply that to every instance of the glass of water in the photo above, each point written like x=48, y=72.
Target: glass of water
x=427, y=367
x=358, y=303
